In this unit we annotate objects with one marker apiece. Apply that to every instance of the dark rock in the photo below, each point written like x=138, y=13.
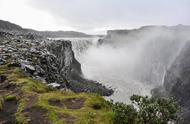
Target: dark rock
x=2, y=78
x=14, y=64
x=177, y=82
x=52, y=61
x=67, y=68
x=79, y=84
x=40, y=72
x=2, y=61
x=28, y=68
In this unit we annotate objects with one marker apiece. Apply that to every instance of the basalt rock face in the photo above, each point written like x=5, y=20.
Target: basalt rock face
x=51, y=61
x=120, y=37
x=65, y=65
x=177, y=82
x=154, y=47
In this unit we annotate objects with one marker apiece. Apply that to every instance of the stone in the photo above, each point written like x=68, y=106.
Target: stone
x=2, y=78
x=14, y=64
x=50, y=60
x=55, y=85
x=28, y=68
x=2, y=61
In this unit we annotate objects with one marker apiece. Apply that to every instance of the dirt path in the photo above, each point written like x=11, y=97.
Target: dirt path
x=7, y=113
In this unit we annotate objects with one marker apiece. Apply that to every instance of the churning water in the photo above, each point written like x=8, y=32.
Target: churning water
x=130, y=68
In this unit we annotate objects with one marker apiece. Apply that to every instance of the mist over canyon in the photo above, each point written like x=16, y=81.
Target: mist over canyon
x=131, y=61
x=94, y=62
x=151, y=60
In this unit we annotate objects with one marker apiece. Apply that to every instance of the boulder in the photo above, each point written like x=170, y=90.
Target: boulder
x=2, y=61
x=28, y=68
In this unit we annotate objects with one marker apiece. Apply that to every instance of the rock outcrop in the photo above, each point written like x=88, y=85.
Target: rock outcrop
x=120, y=37
x=177, y=82
x=153, y=47
x=48, y=60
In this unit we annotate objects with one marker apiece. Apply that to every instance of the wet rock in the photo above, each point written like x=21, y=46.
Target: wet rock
x=177, y=83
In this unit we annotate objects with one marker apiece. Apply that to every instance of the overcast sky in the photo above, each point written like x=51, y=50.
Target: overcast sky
x=94, y=16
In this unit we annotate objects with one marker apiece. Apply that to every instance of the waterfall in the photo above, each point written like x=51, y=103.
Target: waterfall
x=134, y=67
x=81, y=45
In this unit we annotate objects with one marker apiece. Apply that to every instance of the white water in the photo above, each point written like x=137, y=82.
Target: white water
x=131, y=68
x=112, y=67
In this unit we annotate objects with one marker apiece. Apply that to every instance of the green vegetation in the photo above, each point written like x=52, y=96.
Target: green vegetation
x=37, y=102
x=67, y=106
x=145, y=110
x=1, y=102
x=10, y=98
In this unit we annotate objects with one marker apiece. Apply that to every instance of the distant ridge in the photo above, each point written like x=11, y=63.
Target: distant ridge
x=149, y=27
x=63, y=34
x=7, y=26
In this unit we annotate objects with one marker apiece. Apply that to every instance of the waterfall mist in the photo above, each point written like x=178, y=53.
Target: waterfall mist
x=131, y=64
x=114, y=67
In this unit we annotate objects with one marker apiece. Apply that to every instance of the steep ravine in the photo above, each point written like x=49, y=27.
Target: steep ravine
x=131, y=61
x=52, y=61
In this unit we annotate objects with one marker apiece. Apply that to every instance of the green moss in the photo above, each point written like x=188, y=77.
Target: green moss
x=95, y=109
x=27, y=83
x=3, y=68
x=53, y=117
x=86, y=114
x=32, y=85
x=1, y=102
x=10, y=98
x=20, y=118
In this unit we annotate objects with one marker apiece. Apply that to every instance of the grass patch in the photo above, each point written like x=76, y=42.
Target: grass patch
x=38, y=103
x=20, y=118
x=27, y=83
x=85, y=115
x=1, y=102
x=94, y=109
x=10, y=98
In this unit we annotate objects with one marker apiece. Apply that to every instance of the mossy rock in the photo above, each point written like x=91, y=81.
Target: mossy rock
x=54, y=106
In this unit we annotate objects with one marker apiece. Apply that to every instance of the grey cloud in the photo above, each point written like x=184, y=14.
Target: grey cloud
x=87, y=15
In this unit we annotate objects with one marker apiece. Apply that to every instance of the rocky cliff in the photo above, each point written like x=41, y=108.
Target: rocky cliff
x=51, y=61
x=120, y=37
x=177, y=81
x=153, y=47
x=164, y=60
